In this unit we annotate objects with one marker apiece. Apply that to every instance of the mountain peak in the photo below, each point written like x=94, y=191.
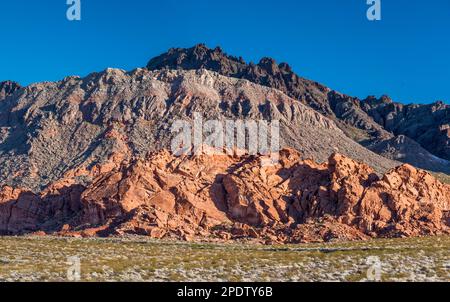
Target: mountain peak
x=196, y=57
x=368, y=120
x=7, y=88
x=374, y=101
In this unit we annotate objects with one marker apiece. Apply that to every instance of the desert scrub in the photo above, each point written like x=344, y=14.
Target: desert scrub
x=142, y=259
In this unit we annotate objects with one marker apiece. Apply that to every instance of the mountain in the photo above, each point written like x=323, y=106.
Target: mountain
x=221, y=198
x=7, y=88
x=371, y=122
x=403, y=149
x=428, y=125
x=88, y=157
x=268, y=73
x=51, y=128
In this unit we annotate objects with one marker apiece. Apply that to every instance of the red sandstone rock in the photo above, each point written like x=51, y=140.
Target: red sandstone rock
x=233, y=198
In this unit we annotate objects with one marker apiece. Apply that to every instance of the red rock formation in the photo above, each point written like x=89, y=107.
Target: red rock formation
x=24, y=212
x=221, y=197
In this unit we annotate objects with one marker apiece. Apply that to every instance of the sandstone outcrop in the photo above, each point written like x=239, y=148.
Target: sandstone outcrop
x=229, y=197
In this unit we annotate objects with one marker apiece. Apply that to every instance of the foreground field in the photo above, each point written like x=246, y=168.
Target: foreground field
x=138, y=259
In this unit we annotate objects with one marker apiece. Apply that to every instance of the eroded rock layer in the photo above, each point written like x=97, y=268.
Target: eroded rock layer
x=222, y=197
x=48, y=129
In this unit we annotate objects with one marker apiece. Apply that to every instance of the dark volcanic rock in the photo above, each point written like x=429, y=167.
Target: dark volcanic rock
x=428, y=125
x=369, y=122
x=7, y=88
x=280, y=76
x=404, y=149
x=266, y=72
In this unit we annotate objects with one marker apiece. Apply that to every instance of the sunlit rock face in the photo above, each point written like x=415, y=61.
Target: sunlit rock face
x=230, y=197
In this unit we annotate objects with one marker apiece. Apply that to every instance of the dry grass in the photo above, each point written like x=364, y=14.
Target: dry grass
x=140, y=259
x=444, y=178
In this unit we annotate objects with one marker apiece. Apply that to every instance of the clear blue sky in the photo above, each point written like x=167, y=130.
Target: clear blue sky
x=406, y=55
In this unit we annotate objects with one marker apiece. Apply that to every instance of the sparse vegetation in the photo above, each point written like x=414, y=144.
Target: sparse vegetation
x=141, y=259
x=444, y=178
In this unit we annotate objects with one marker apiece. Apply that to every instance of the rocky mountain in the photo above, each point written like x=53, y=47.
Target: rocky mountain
x=222, y=198
x=88, y=157
x=48, y=129
x=280, y=76
x=428, y=125
x=371, y=122
x=7, y=88
x=403, y=149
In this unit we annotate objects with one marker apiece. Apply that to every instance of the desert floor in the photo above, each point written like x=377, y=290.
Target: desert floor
x=139, y=259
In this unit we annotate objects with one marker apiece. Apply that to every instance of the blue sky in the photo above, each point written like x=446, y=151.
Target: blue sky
x=406, y=55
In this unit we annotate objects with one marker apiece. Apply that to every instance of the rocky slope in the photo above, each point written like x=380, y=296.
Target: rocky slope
x=7, y=88
x=403, y=149
x=428, y=125
x=370, y=122
x=280, y=76
x=87, y=157
x=221, y=197
x=48, y=129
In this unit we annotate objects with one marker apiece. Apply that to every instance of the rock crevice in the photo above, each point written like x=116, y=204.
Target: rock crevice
x=221, y=197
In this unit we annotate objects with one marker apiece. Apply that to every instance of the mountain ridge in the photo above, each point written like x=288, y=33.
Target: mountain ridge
x=373, y=123
x=366, y=121
x=87, y=157
x=50, y=128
